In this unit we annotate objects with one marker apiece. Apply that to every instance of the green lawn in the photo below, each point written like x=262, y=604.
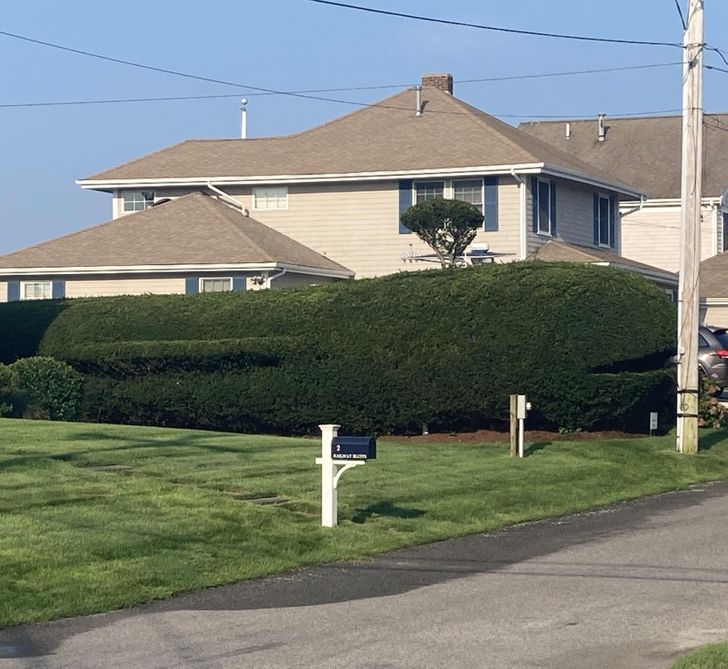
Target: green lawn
x=710, y=657
x=74, y=539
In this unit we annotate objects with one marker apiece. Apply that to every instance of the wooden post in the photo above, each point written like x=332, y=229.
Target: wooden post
x=688, y=315
x=514, y=425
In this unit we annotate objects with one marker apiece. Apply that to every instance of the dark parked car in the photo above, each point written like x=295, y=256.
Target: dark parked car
x=713, y=354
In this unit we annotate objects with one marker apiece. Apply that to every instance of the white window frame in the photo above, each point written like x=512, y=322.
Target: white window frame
x=610, y=243
x=145, y=201
x=259, y=199
x=24, y=284
x=482, y=192
x=423, y=182
x=214, y=278
x=537, y=197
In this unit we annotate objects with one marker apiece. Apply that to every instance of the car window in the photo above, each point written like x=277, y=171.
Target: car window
x=722, y=337
x=701, y=342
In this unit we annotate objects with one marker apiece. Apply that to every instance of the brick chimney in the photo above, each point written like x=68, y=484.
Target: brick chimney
x=441, y=80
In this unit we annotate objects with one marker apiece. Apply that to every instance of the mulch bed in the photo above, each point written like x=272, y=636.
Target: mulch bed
x=492, y=436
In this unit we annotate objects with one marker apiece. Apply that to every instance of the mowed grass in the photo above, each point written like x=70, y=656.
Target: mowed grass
x=75, y=539
x=709, y=657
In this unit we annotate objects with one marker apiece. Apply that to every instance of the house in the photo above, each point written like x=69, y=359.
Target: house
x=191, y=244
x=558, y=251
x=334, y=193
x=714, y=290
x=646, y=152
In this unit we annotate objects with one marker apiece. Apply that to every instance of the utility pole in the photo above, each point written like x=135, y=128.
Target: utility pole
x=688, y=313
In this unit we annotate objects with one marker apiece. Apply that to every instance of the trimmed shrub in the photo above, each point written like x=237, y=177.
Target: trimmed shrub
x=48, y=388
x=444, y=348
x=8, y=385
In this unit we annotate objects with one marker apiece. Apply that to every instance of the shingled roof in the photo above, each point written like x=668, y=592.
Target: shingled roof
x=385, y=137
x=643, y=151
x=192, y=230
x=714, y=277
x=558, y=251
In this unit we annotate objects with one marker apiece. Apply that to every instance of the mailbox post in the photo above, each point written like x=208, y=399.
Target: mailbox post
x=336, y=451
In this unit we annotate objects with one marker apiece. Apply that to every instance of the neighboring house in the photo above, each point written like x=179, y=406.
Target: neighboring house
x=714, y=290
x=188, y=245
x=339, y=189
x=646, y=152
x=556, y=251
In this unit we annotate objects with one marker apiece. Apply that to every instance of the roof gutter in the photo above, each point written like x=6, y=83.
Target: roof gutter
x=257, y=268
x=383, y=175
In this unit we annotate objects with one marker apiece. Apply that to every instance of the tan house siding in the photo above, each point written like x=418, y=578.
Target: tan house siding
x=357, y=223
x=574, y=216
x=652, y=235
x=293, y=280
x=3, y=291
x=127, y=286
x=714, y=314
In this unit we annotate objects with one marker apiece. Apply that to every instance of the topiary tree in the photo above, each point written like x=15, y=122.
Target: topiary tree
x=446, y=226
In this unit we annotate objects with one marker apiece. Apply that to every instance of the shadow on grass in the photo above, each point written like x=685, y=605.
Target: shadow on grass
x=385, y=509
x=707, y=441
x=535, y=448
x=173, y=446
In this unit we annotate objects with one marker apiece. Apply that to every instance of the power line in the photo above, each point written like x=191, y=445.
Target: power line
x=680, y=12
x=542, y=75
x=516, y=31
x=163, y=70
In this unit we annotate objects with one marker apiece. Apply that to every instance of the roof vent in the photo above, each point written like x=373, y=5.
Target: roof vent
x=567, y=132
x=441, y=80
x=601, y=128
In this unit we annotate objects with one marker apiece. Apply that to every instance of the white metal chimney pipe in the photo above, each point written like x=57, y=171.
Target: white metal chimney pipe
x=601, y=129
x=244, y=118
x=419, y=101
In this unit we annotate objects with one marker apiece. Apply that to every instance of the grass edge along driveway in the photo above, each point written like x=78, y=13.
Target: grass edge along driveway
x=714, y=656
x=99, y=517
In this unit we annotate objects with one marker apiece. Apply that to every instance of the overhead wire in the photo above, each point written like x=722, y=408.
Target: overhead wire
x=515, y=31
x=680, y=12
x=542, y=75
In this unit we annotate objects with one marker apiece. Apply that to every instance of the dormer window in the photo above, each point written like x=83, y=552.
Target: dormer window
x=137, y=200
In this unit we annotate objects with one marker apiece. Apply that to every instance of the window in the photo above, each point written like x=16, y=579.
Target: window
x=138, y=200
x=605, y=215
x=216, y=285
x=544, y=208
x=268, y=197
x=725, y=231
x=469, y=191
x=429, y=190
x=36, y=290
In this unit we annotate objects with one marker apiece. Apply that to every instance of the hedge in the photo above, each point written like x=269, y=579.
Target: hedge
x=444, y=348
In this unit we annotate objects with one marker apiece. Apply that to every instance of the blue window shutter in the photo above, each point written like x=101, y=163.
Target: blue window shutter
x=552, y=207
x=192, y=285
x=534, y=203
x=596, y=219
x=238, y=284
x=13, y=291
x=491, y=204
x=405, y=202
x=612, y=222
x=58, y=289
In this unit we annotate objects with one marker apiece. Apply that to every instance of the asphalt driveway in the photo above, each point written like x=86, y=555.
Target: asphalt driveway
x=633, y=585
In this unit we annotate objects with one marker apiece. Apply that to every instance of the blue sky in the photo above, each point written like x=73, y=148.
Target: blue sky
x=294, y=45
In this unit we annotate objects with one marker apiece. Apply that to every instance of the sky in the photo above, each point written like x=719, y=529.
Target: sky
x=293, y=45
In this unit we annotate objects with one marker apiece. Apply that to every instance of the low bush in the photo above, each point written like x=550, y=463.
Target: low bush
x=47, y=388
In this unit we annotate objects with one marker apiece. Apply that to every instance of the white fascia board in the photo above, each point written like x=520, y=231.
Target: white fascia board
x=665, y=277
x=429, y=173
x=668, y=202
x=590, y=180
x=657, y=274
x=714, y=301
x=172, y=269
